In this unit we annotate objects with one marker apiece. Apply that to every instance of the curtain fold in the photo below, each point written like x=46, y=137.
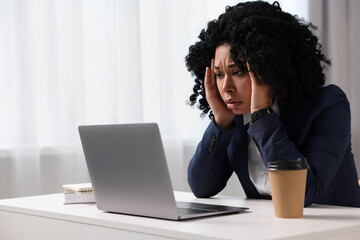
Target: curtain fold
x=339, y=33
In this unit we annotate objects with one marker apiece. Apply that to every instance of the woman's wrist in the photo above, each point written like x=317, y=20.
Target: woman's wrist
x=260, y=113
x=225, y=124
x=258, y=107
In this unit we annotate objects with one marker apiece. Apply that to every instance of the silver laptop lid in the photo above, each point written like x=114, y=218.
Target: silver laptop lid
x=128, y=169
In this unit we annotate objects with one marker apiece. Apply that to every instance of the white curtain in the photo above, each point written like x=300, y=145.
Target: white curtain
x=339, y=24
x=64, y=63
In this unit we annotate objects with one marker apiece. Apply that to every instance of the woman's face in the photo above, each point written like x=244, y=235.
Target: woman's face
x=233, y=84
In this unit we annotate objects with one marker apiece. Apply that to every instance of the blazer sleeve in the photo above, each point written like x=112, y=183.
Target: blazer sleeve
x=210, y=169
x=324, y=146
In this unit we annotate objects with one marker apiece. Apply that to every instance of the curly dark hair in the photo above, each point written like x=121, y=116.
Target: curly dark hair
x=280, y=47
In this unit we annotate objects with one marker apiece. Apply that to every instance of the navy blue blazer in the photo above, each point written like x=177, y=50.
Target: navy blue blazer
x=319, y=131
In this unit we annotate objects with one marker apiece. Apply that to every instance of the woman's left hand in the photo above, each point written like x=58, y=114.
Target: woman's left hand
x=261, y=95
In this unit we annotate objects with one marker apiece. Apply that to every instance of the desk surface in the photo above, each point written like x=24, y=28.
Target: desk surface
x=319, y=221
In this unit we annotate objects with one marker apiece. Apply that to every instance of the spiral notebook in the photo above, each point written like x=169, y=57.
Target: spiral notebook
x=78, y=193
x=78, y=187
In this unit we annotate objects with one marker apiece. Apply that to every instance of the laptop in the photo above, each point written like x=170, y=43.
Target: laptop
x=129, y=173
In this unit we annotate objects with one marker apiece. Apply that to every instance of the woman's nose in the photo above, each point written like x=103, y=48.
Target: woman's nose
x=228, y=85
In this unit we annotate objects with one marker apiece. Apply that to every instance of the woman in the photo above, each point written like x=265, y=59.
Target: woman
x=259, y=75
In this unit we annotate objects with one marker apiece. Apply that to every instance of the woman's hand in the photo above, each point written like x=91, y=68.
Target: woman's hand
x=261, y=95
x=223, y=116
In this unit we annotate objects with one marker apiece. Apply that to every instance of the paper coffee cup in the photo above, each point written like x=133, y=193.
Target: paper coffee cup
x=288, y=182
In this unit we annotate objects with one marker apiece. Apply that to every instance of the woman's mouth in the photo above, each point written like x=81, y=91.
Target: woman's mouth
x=232, y=104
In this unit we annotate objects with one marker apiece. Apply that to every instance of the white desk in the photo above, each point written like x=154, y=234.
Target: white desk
x=45, y=217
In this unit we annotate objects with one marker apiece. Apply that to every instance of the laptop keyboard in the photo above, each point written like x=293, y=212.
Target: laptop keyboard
x=190, y=211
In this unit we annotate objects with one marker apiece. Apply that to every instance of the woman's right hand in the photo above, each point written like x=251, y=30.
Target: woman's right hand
x=223, y=116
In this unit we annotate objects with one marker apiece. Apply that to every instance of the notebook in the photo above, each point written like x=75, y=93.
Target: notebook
x=129, y=174
x=78, y=193
x=78, y=187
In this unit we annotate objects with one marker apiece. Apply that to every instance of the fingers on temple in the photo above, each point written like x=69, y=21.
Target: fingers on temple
x=213, y=82
x=253, y=76
x=207, y=78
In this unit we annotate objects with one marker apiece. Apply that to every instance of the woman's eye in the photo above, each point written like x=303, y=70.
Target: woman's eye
x=237, y=73
x=219, y=75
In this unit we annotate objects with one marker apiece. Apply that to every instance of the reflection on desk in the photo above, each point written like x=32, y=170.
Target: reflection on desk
x=45, y=217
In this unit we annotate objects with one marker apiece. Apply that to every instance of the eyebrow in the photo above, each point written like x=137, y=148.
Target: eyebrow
x=229, y=66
